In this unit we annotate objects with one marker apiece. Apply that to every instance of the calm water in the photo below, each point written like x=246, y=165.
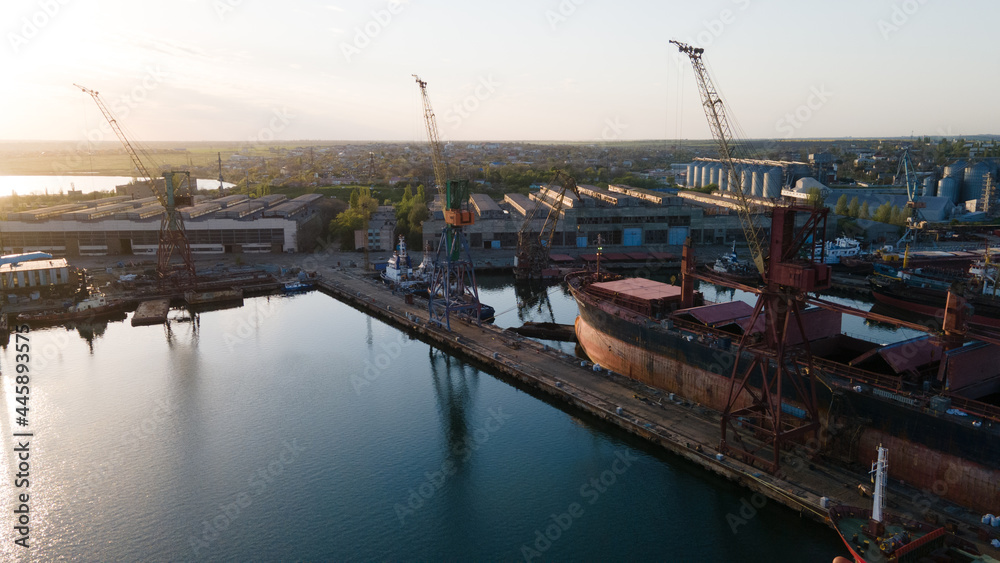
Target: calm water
x=300, y=429
x=52, y=185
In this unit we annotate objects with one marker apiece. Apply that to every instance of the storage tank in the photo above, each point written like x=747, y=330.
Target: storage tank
x=758, y=181
x=975, y=179
x=772, y=181
x=711, y=174
x=955, y=169
x=690, y=175
x=723, y=178
x=948, y=188
x=930, y=186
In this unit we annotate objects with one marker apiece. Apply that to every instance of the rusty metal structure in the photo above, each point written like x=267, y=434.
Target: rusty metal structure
x=532, y=254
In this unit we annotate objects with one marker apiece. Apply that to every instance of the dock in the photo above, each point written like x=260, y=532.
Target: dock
x=151, y=312
x=805, y=483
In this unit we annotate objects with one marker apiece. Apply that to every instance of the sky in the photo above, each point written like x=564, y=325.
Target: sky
x=574, y=70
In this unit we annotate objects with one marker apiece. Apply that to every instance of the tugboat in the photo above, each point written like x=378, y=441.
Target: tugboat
x=875, y=535
x=730, y=266
x=399, y=270
x=843, y=247
x=94, y=307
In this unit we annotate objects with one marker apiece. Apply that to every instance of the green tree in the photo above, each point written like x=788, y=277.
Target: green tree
x=863, y=213
x=884, y=213
x=842, y=208
x=854, y=208
x=815, y=197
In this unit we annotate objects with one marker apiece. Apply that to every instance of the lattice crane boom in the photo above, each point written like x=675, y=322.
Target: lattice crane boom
x=172, y=236
x=437, y=154
x=718, y=122
x=132, y=153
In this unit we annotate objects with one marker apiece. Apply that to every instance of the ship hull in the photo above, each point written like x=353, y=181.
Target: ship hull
x=922, y=303
x=943, y=458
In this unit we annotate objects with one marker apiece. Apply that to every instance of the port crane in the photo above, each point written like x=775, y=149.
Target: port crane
x=777, y=366
x=452, y=288
x=533, y=251
x=754, y=424
x=172, y=236
x=915, y=222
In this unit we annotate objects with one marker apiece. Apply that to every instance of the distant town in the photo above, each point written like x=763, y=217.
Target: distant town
x=391, y=186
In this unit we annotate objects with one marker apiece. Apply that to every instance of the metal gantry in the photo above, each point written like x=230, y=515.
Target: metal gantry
x=532, y=254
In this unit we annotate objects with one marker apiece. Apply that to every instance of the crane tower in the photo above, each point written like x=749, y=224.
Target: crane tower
x=452, y=288
x=779, y=372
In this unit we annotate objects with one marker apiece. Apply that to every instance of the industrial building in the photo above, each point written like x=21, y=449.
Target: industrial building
x=122, y=225
x=34, y=274
x=620, y=215
x=381, y=228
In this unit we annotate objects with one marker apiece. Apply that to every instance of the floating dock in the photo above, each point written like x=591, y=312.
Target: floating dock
x=804, y=484
x=152, y=312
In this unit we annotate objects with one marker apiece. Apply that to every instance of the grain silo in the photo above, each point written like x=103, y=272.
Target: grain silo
x=773, y=176
x=948, y=188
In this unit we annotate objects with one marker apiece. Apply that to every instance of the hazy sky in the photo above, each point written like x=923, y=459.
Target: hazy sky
x=240, y=70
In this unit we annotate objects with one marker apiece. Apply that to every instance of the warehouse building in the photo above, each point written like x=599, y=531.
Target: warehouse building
x=125, y=226
x=619, y=215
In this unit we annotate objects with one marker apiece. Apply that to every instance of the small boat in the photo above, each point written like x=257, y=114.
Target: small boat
x=92, y=308
x=843, y=247
x=730, y=266
x=298, y=286
x=876, y=535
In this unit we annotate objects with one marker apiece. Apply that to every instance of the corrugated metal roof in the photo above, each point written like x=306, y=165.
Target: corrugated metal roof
x=561, y=258
x=641, y=288
x=720, y=313
x=616, y=256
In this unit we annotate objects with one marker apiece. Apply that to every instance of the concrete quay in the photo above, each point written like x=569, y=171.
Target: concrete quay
x=684, y=429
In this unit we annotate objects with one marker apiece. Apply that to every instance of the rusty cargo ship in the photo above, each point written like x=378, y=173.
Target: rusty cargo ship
x=918, y=397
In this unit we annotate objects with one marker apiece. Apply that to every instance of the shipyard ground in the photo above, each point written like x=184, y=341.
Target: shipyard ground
x=687, y=430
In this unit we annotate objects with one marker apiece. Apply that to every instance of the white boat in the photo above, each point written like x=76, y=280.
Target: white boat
x=399, y=269
x=843, y=247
